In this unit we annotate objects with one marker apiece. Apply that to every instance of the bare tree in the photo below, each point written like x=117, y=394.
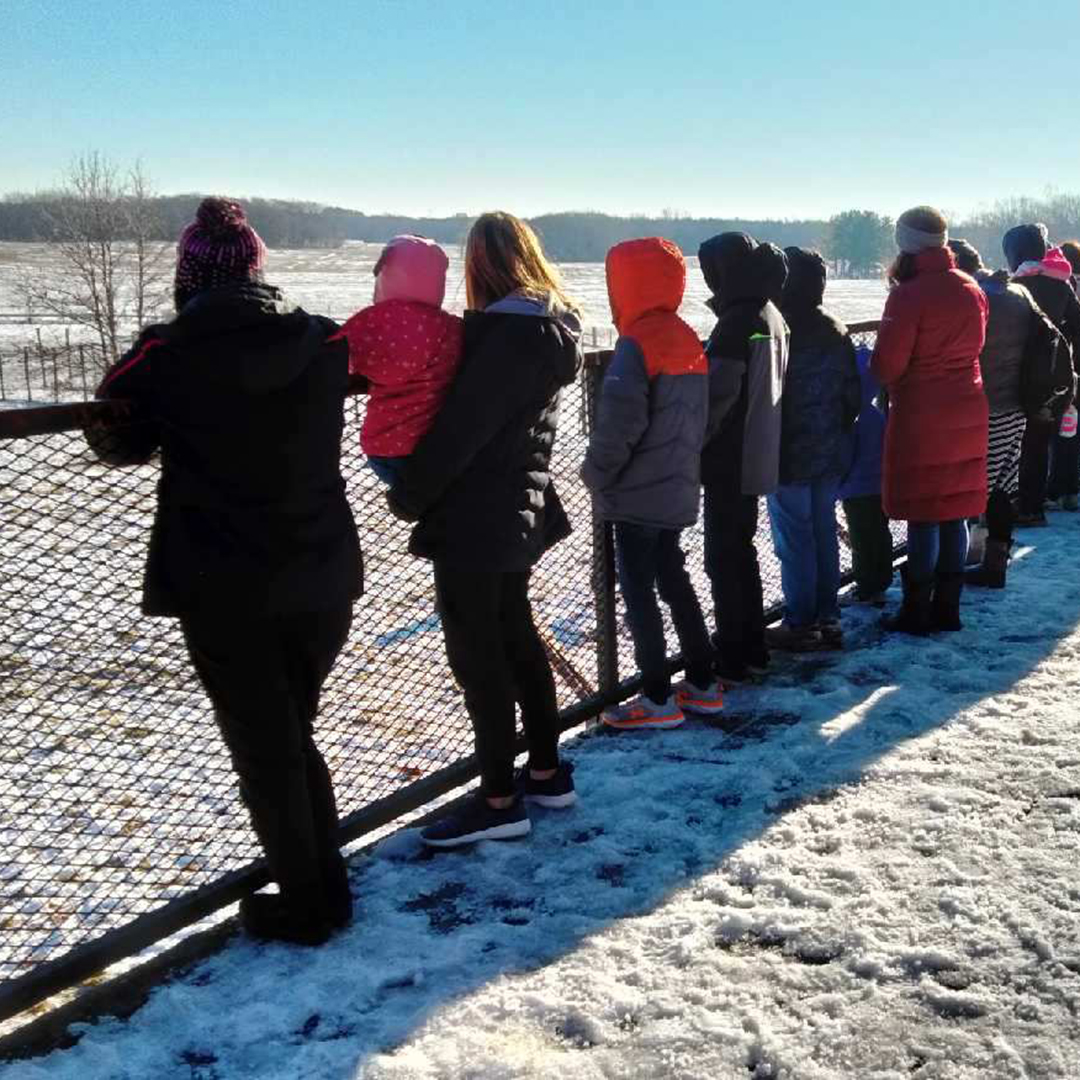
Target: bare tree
x=112, y=273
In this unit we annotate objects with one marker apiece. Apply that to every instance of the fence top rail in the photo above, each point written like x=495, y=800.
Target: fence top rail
x=22, y=422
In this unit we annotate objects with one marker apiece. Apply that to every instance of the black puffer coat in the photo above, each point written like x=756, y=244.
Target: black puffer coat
x=478, y=482
x=246, y=400
x=822, y=393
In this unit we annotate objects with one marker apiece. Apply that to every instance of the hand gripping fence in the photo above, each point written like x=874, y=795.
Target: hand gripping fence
x=120, y=822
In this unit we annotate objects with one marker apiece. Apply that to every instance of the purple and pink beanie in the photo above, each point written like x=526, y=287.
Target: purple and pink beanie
x=218, y=248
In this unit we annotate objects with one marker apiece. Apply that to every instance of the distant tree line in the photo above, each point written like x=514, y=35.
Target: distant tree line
x=858, y=242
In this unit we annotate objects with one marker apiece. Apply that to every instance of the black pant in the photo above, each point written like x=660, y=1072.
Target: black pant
x=999, y=516
x=1034, y=462
x=264, y=677
x=498, y=659
x=731, y=562
x=871, y=544
x=1064, y=467
x=650, y=560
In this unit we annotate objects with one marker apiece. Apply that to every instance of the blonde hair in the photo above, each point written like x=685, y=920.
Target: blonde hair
x=503, y=256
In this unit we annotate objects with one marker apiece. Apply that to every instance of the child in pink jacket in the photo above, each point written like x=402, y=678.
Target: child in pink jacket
x=407, y=348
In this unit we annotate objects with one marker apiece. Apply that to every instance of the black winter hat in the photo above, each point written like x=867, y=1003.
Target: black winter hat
x=1025, y=243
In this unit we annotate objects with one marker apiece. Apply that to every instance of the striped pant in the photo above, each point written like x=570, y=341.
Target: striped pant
x=1003, y=451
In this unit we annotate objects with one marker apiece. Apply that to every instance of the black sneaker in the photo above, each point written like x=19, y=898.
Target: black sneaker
x=555, y=793
x=478, y=820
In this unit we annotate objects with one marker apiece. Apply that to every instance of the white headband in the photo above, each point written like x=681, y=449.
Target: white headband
x=911, y=241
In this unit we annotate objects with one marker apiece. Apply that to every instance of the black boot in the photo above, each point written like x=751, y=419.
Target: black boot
x=945, y=609
x=995, y=563
x=914, y=616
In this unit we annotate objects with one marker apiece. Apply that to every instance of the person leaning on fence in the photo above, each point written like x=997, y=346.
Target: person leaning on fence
x=1017, y=364
x=927, y=358
x=643, y=467
x=748, y=354
x=406, y=347
x=1047, y=274
x=253, y=546
x=478, y=486
x=820, y=405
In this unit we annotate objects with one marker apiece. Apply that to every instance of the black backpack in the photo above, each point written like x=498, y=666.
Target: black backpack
x=1047, y=381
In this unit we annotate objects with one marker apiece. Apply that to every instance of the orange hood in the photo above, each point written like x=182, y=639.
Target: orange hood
x=646, y=280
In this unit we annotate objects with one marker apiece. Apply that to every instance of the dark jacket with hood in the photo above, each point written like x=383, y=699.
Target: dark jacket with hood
x=643, y=464
x=1007, y=327
x=748, y=356
x=821, y=390
x=245, y=398
x=1026, y=248
x=478, y=483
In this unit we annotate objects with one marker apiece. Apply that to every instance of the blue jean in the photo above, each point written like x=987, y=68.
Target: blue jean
x=649, y=560
x=936, y=547
x=803, y=520
x=386, y=468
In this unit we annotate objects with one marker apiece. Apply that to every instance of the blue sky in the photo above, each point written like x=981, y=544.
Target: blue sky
x=698, y=106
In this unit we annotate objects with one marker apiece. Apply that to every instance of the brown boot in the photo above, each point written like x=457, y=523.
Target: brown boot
x=991, y=574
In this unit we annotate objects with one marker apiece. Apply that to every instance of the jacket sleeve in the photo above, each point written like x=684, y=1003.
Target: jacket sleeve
x=622, y=416
x=489, y=389
x=1071, y=324
x=895, y=338
x=727, y=370
x=852, y=392
x=130, y=440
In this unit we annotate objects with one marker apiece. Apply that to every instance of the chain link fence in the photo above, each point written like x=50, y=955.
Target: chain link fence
x=119, y=816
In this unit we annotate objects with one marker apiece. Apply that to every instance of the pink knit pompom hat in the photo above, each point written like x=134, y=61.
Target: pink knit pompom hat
x=411, y=268
x=219, y=247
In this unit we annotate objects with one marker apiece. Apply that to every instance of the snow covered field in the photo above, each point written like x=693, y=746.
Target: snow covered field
x=868, y=869
x=338, y=282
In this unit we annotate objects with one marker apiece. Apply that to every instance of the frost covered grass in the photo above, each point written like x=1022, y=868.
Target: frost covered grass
x=867, y=868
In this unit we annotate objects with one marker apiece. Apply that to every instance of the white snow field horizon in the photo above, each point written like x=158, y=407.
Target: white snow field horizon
x=867, y=869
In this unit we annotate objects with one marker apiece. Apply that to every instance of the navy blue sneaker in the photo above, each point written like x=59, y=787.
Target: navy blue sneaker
x=555, y=793
x=478, y=820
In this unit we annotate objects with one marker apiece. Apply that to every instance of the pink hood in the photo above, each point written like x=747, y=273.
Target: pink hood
x=1054, y=264
x=411, y=268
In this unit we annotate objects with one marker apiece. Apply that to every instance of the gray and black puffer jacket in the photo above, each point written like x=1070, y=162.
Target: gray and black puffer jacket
x=748, y=358
x=822, y=393
x=643, y=464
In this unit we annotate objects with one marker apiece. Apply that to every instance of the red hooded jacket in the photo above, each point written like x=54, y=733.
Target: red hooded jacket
x=927, y=358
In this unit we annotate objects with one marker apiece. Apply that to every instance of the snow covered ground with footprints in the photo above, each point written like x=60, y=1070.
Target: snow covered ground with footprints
x=868, y=868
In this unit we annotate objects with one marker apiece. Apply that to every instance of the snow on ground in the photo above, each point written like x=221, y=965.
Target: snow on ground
x=868, y=870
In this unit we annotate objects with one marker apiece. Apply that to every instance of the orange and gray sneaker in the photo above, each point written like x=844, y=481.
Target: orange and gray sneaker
x=643, y=713
x=702, y=702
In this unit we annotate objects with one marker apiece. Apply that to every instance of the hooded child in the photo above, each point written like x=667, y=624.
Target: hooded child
x=747, y=353
x=820, y=404
x=643, y=467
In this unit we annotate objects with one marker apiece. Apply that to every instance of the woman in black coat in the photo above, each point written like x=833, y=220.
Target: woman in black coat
x=479, y=488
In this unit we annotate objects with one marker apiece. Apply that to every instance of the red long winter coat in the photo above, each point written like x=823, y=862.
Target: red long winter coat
x=927, y=357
